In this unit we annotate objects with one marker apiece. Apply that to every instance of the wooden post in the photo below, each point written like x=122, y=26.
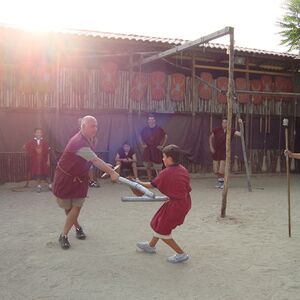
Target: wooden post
x=229, y=123
x=249, y=120
x=130, y=121
x=193, y=85
x=285, y=124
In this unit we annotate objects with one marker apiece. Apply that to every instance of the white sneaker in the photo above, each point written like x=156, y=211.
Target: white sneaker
x=145, y=247
x=177, y=258
x=217, y=186
x=39, y=188
x=50, y=186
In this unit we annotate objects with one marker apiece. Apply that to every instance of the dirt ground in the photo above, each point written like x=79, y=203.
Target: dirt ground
x=247, y=255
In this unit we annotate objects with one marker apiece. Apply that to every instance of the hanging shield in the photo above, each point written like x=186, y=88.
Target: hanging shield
x=177, y=87
x=204, y=90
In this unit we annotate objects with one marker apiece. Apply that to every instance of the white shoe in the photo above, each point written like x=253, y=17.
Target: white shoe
x=145, y=247
x=177, y=258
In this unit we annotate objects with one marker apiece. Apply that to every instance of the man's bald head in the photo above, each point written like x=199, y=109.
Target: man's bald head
x=89, y=126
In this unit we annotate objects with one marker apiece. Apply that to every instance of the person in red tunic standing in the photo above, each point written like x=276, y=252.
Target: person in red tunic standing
x=71, y=178
x=217, y=144
x=152, y=139
x=173, y=182
x=38, y=152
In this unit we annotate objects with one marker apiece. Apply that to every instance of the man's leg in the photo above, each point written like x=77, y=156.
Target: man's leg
x=134, y=170
x=76, y=224
x=71, y=219
x=149, y=170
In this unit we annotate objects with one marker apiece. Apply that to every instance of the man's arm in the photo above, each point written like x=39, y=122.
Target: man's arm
x=89, y=155
x=141, y=142
x=292, y=154
x=104, y=167
x=211, y=143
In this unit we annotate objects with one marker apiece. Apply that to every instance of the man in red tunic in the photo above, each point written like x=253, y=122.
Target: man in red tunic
x=153, y=138
x=173, y=182
x=71, y=178
x=38, y=152
x=217, y=144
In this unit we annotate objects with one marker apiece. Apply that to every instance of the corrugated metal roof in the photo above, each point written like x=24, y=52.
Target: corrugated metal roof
x=169, y=41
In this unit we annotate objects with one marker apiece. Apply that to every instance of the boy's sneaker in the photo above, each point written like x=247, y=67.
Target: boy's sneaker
x=50, y=187
x=221, y=186
x=144, y=246
x=217, y=186
x=64, y=242
x=177, y=258
x=80, y=234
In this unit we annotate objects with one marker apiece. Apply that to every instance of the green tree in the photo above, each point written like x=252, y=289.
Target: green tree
x=290, y=24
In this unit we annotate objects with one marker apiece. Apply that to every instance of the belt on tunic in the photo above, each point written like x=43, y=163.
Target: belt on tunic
x=75, y=178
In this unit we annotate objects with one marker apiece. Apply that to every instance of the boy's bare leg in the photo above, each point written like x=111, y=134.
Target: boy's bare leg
x=173, y=245
x=71, y=219
x=153, y=241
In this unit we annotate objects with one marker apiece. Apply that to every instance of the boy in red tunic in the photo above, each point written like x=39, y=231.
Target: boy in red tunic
x=173, y=182
x=38, y=151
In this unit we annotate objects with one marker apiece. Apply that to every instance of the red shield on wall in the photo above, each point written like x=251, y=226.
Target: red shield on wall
x=80, y=81
x=138, y=86
x=222, y=83
x=267, y=85
x=204, y=90
x=256, y=85
x=45, y=77
x=108, y=77
x=283, y=84
x=158, y=85
x=177, y=87
x=26, y=77
x=241, y=84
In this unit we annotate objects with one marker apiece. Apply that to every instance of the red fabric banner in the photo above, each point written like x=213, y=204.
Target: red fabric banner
x=256, y=85
x=158, y=85
x=177, y=87
x=205, y=91
x=138, y=86
x=283, y=84
x=108, y=77
x=241, y=84
x=222, y=83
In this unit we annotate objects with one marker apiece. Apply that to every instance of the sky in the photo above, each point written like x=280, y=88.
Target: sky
x=254, y=21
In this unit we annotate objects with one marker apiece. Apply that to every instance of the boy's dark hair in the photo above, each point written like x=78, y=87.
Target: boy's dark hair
x=37, y=128
x=172, y=151
x=151, y=115
x=126, y=143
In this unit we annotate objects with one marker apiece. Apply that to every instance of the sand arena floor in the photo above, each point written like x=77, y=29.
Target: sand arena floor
x=247, y=255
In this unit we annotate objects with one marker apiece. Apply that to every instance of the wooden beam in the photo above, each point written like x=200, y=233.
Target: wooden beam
x=187, y=45
x=243, y=70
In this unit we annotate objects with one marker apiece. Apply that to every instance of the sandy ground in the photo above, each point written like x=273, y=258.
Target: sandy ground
x=247, y=255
